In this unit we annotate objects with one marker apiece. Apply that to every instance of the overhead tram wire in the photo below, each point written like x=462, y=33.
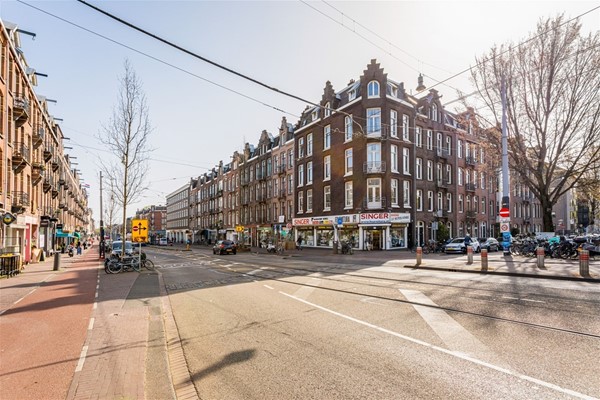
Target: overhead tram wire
x=159, y=60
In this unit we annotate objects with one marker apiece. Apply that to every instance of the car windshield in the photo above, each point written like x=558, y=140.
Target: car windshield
x=119, y=245
x=459, y=240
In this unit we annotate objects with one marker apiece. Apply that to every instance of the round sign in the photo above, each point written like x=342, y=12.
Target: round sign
x=504, y=228
x=504, y=213
x=135, y=228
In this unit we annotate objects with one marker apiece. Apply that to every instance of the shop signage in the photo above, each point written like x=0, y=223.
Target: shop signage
x=301, y=221
x=400, y=218
x=322, y=221
x=374, y=218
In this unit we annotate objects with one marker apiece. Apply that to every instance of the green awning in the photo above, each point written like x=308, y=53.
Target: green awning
x=77, y=235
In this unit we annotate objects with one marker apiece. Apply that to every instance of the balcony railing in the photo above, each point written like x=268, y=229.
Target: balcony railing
x=443, y=153
x=374, y=203
x=471, y=214
x=48, y=151
x=374, y=167
x=470, y=187
x=281, y=169
x=19, y=201
x=471, y=160
x=441, y=213
x=38, y=136
x=282, y=193
x=442, y=183
x=20, y=111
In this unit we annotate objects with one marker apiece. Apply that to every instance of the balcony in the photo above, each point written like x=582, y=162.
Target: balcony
x=280, y=169
x=54, y=191
x=527, y=220
x=244, y=181
x=440, y=214
x=48, y=184
x=55, y=164
x=471, y=160
x=374, y=167
x=37, y=173
x=20, y=201
x=526, y=198
x=374, y=203
x=442, y=184
x=261, y=198
x=282, y=194
x=470, y=187
x=471, y=215
x=261, y=176
x=38, y=136
x=20, y=157
x=48, y=152
x=20, y=111
x=443, y=153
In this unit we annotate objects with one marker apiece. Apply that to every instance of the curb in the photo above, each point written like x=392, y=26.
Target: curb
x=520, y=274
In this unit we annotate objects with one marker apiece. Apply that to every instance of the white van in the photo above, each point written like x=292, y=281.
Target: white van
x=162, y=241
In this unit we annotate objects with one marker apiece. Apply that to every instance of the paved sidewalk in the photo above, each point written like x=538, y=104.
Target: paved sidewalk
x=78, y=333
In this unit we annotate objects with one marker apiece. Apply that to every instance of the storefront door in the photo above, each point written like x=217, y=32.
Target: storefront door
x=378, y=239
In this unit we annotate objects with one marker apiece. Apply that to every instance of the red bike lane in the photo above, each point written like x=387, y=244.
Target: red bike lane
x=42, y=335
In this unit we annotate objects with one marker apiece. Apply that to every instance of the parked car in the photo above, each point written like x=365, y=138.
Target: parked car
x=457, y=245
x=224, y=247
x=490, y=244
x=117, y=247
x=162, y=241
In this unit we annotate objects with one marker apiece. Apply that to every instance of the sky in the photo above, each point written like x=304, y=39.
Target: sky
x=201, y=114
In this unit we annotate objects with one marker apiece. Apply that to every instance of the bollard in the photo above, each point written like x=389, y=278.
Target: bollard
x=540, y=253
x=419, y=255
x=469, y=254
x=56, y=261
x=484, y=259
x=584, y=263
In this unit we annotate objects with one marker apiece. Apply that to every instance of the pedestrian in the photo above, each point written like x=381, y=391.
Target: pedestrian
x=299, y=243
x=468, y=240
x=78, y=247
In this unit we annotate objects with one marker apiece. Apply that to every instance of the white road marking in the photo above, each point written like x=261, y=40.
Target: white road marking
x=268, y=287
x=510, y=298
x=253, y=272
x=91, y=324
x=454, y=335
x=305, y=291
x=445, y=351
x=81, y=359
x=534, y=301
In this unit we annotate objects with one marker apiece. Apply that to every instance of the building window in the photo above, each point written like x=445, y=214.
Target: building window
x=394, y=192
x=309, y=200
x=429, y=170
x=460, y=176
x=434, y=112
x=419, y=200
x=406, y=193
x=374, y=156
x=300, y=147
x=300, y=202
x=351, y=94
x=327, y=137
x=373, y=120
x=429, y=140
x=327, y=198
x=300, y=175
x=459, y=148
x=394, y=123
x=419, y=136
x=419, y=172
x=374, y=193
x=314, y=115
x=394, y=157
x=449, y=145
x=405, y=128
x=440, y=202
x=392, y=90
x=449, y=202
x=482, y=180
x=348, y=195
x=439, y=143
x=449, y=174
x=406, y=161
x=429, y=200
x=326, y=168
x=373, y=89
x=327, y=110
x=349, y=129
x=461, y=205
x=309, y=144
x=309, y=172
x=348, y=164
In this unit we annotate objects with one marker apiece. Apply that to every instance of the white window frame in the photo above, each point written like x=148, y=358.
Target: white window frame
x=430, y=200
x=449, y=202
x=419, y=168
x=394, y=123
x=430, y=170
x=394, y=157
x=309, y=173
x=348, y=162
x=327, y=198
x=349, y=127
x=300, y=175
x=419, y=136
x=309, y=200
x=419, y=200
x=300, y=202
x=373, y=89
x=394, y=192
x=429, y=139
x=327, y=137
x=406, y=193
x=406, y=161
x=326, y=168
x=373, y=121
x=348, y=195
x=405, y=128
x=309, y=144
x=301, y=147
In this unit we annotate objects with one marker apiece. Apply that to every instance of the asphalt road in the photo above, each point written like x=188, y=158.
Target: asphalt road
x=266, y=327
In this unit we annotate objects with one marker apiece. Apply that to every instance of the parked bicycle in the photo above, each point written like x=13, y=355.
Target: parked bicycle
x=116, y=264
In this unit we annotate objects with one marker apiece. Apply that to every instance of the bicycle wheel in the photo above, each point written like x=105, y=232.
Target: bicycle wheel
x=148, y=264
x=114, y=266
x=136, y=265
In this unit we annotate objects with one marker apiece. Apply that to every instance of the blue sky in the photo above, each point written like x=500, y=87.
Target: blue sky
x=295, y=46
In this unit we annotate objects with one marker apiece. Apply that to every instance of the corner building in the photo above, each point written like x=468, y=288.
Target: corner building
x=383, y=169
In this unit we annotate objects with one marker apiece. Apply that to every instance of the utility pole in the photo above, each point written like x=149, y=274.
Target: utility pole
x=101, y=221
x=505, y=221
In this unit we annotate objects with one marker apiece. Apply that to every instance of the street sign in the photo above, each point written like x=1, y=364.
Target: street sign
x=504, y=212
x=504, y=228
x=139, y=230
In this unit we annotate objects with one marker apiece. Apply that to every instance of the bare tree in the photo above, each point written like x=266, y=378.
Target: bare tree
x=553, y=107
x=126, y=135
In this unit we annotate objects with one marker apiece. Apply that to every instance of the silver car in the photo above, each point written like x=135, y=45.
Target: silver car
x=457, y=245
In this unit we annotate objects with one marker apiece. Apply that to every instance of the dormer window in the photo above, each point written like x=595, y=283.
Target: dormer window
x=373, y=89
x=327, y=110
x=351, y=94
x=315, y=115
x=392, y=90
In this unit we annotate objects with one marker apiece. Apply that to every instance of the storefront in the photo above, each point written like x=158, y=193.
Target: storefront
x=324, y=231
x=383, y=231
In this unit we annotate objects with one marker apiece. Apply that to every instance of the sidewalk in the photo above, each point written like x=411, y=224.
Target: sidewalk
x=78, y=333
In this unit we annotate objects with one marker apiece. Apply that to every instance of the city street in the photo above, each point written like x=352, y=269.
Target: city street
x=309, y=324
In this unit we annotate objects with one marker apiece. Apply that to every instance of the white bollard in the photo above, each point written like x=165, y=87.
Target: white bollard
x=469, y=255
x=419, y=255
x=540, y=253
x=484, y=259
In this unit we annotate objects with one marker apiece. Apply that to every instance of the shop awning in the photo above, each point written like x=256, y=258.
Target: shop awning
x=77, y=235
x=61, y=234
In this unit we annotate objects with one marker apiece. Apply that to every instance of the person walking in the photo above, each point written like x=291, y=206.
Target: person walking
x=299, y=243
x=78, y=247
